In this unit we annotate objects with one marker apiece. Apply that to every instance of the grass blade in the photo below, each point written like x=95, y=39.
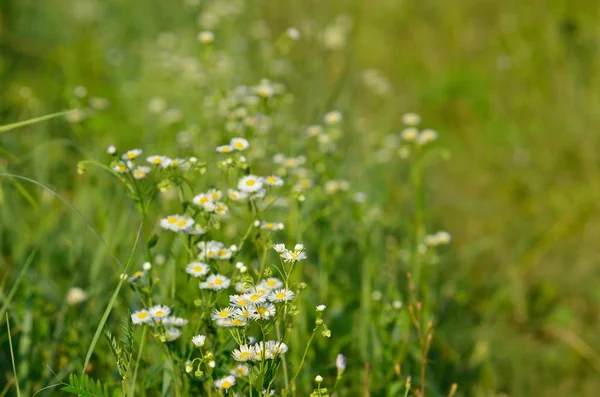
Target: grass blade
x=12, y=356
x=13, y=290
x=109, y=307
x=35, y=120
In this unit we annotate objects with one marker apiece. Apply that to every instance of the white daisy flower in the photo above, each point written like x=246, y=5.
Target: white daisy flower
x=183, y=223
x=427, y=136
x=201, y=199
x=170, y=222
x=177, y=162
x=222, y=314
x=141, y=317
x=263, y=311
x=221, y=208
x=141, y=172
x=225, y=149
x=238, y=300
x=131, y=154
x=225, y=383
x=250, y=184
x=244, y=312
x=281, y=295
x=255, y=298
x=197, y=269
x=235, y=195
x=218, y=281
x=411, y=119
x=159, y=312
x=332, y=118
x=293, y=256
x=214, y=194
x=273, y=180
x=279, y=248
x=271, y=225
x=206, y=37
x=209, y=207
x=242, y=354
x=314, y=130
x=111, y=149
x=239, y=144
x=272, y=283
x=236, y=322
x=277, y=347
x=240, y=370
x=156, y=160
x=410, y=134
x=122, y=167
x=199, y=340
x=321, y=308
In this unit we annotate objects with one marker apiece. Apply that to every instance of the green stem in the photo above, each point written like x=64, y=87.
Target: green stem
x=138, y=360
x=304, y=357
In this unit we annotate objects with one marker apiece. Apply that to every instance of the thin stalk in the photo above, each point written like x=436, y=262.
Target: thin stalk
x=12, y=356
x=138, y=360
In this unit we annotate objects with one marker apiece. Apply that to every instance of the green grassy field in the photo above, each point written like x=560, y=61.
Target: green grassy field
x=511, y=88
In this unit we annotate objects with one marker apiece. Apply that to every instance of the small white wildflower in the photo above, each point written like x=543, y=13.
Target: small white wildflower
x=141, y=317
x=76, y=295
x=147, y=266
x=321, y=308
x=318, y=379
x=281, y=295
x=239, y=144
x=199, y=340
x=131, y=154
x=197, y=269
x=206, y=37
x=218, y=282
x=410, y=134
x=273, y=180
x=293, y=33
x=279, y=248
x=111, y=149
x=333, y=118
x=225, y=149
x=314, y=130
x=240, y=370
x=411, y=119
x=159, y=311
x=250, y=184
x=243, y=353
x=397, y=304
x=427, y=136
x=340, y=363
x=141, y=172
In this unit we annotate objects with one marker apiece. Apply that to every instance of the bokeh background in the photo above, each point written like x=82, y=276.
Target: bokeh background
x=512, y=87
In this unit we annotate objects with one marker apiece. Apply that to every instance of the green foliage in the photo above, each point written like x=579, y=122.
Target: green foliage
x=122, y=347
x=85, y=386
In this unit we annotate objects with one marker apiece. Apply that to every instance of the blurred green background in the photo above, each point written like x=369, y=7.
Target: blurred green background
x=512, y=87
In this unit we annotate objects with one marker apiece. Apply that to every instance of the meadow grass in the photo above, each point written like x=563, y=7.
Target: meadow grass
x=510, y=307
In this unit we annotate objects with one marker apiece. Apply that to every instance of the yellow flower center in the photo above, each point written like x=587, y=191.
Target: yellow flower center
x=181, y=223
x=236, y=321
x=222, y=252
x=172, y=219
x=156, y=160
x=294, y=255
x=197, y=268
x=203, y=200
x=280, y=295
x=270, y=225
x=254, y=297
x=159, y=313
x=138, y=273
x=226, y=384
x=271, y=179
x=271, y=283
x=131, y=155
x=218, y=281
x=142, y=315
x=261, y=310
x=242, y=302
x=239, y=145
x=215, y=196
x=211, y=254
x=244, y=355
x=250, y=182
x=223, y=313
x=226, y=149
